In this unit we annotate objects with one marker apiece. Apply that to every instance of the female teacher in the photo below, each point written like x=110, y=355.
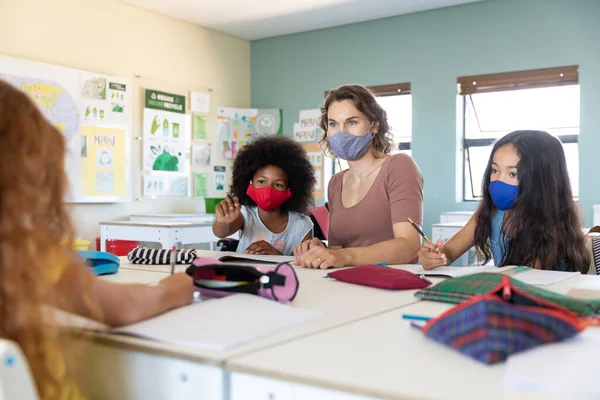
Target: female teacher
x=370, y=202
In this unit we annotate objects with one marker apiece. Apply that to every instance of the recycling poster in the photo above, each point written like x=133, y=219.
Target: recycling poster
x=165, y=136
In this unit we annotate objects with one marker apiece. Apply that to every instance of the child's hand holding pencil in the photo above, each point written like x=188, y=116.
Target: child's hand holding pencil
x=431, y=254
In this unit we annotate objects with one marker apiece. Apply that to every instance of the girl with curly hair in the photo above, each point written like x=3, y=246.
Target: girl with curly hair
x=38, y=267
x=527, y=215
x=272, y=189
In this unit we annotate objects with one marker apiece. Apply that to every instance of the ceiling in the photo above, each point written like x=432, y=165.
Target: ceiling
x=258, y=19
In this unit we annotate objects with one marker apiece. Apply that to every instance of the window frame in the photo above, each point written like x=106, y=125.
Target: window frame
x=508, y=81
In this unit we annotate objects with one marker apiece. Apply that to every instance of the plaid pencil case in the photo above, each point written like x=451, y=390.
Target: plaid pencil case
x=491, y=327
x=147, y=256
x=461, y=289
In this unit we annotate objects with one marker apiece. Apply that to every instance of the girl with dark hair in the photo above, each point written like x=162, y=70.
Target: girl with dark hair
x=527, y=215
x=371, y=201
x=272, y=189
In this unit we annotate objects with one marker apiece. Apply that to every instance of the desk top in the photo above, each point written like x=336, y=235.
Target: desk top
x=165, y=224
x=384, y=357
x=340, y=303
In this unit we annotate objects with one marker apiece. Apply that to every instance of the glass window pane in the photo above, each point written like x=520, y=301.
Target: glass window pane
x=399, y=113
x=497, y=113
x=478, y=157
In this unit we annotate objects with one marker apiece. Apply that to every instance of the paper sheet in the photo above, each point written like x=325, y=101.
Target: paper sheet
x=200, y=102
x=526, y=275
x=568, y=368
x=232, y=257
x=220, y=324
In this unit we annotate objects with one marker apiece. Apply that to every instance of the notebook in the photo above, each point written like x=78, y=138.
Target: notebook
x=221, y=324
x=528, y=275
x=230, y=256
x=211, y=324
x=586, y=290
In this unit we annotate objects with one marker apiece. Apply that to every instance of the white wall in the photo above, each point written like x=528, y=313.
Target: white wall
x=114, y=38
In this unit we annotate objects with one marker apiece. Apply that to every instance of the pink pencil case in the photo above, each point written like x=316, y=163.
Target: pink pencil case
x=215, y=279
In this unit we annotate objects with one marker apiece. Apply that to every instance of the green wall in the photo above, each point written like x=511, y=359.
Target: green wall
x=430, y=50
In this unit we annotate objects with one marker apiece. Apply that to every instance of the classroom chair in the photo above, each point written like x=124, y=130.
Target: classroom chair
x=319, y=216
x=16, y=381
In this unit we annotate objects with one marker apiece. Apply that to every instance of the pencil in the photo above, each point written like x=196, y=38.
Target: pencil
x=421, y=232
x=173, y=259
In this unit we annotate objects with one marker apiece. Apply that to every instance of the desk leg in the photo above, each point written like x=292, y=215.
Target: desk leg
x=169, y=237
x=103, y=237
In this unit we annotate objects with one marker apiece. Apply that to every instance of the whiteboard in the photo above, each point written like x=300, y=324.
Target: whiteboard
x=93, y=111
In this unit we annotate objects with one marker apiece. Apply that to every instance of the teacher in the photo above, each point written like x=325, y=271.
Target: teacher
x=370, y=202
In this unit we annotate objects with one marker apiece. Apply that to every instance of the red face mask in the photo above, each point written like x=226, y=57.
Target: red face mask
x=268, y=198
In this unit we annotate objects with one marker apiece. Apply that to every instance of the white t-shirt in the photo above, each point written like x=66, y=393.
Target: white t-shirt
x=254, y=230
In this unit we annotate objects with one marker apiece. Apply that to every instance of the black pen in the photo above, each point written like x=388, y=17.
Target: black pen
x=421, y=232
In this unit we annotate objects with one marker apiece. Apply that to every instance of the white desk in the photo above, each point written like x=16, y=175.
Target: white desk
x=377, y=357
x=205, y=218
x=143, y=361
x=165, y=233
x=135, y=276
x=449, y=217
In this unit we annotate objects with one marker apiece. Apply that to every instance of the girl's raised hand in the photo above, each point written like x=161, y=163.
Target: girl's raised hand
x=228, y=210
x=431, y=255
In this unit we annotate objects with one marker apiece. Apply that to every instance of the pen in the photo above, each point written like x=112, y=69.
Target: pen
x=421, y=232
x=415, y=317
x=173, y=258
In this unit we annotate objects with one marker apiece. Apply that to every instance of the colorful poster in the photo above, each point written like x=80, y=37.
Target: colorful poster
x=201, y=185
x=237, y=126
x=74, y=100
x=200, y=128
x=103, y=161
x=201, y=155
x=164, y=132
x=199, y=102
x=309, y=118
x=219, y=178
x=305, y=134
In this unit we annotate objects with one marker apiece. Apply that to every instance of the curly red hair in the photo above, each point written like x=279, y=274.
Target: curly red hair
x=34, y=222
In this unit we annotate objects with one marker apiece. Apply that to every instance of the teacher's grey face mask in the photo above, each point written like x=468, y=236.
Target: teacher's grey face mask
x=350, y=147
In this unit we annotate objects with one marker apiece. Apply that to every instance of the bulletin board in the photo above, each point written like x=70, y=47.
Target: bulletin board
x=316, y=156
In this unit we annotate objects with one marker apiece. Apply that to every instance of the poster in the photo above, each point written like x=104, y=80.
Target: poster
x=318, y=184
x=316, y=159
x=178, y=186
x=200, y=128
x=305, y=134
x=154, y=185
x=237, y=126
x=199, y=102
x=309, y=118
x=201, y=185
x=164, y=132
x=76, y=101
x=219, y=178
x=201, y=155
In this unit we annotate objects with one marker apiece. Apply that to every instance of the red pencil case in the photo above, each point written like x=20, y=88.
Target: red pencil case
x=380, y=277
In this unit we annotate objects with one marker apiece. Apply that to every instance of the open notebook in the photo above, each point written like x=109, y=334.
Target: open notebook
x=213, y=324
x=524, y=274
x=230, y=256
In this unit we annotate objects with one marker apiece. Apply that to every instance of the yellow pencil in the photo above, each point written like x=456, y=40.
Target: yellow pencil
x=421, y=232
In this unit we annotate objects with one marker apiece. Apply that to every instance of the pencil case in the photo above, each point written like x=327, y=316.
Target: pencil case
x=380, y=277
x=215, y=279
x=147, y=256
x=101, y=262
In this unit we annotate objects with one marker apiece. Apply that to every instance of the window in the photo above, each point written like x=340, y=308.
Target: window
x=497, y=104
x=397, y=102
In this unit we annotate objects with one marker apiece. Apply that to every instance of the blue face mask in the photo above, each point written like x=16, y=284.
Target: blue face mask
x=350, y=147
x=503, y=195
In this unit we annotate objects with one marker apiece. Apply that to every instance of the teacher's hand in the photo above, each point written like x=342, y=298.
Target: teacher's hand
x=323, y=258
x=302, y=247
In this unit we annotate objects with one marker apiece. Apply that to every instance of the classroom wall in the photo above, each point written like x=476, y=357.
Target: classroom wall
x=430, y=50
x=114, y=38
